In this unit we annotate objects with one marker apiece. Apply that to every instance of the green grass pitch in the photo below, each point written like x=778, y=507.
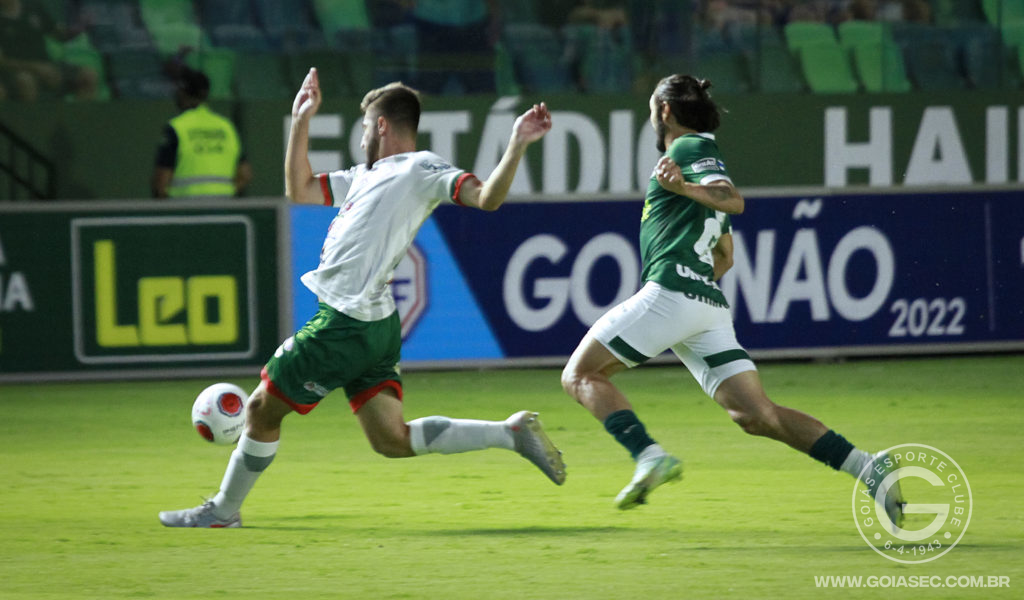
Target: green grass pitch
x=86, y=467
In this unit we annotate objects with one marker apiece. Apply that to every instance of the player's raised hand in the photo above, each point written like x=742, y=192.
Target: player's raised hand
x=532, y=124
x=307, y=101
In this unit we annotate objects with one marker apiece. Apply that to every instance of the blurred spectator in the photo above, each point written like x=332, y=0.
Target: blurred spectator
x=917, y=11
x=457, y=27
x=200, y=154
x=26, y=69
x=606, y=14
x=388, y=13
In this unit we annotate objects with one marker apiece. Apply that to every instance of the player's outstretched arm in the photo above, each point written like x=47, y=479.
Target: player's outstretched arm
x=528, y=128
x=718, y=195
x=299, y=183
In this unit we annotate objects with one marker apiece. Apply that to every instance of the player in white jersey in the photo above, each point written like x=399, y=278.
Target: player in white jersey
x=354, y=340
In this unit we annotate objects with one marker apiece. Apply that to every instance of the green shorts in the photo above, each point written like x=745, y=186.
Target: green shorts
x=333, y=351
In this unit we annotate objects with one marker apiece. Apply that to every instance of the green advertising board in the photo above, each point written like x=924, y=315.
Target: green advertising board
x=117, y=289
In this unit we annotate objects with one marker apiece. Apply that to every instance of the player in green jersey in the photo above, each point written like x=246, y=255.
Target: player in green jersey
x=686, y=246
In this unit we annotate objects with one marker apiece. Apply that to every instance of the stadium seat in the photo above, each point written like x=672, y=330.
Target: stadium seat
x=114, y=25
x=335, y=16
x=773, y=70
x=226, y=12
x=801, y=33
x=880, y=67
x=956, y=12
x=746, y=37
x=157, y=13
x=728, y=72
x=1002, y=12
x=290, y=26
x=826, y=68
x=334, y=71
x=138, y=74
x=987, y=60
x=88, y=56
x=853, y=33
x=241, y=38
x=518, y=11
x=536, y=53
x=931, y=65
x=604, y=58
x=219, y=65
x=261, y=76
x=170, y=38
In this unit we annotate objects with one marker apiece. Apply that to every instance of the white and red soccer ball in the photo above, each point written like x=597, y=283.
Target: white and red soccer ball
x=218, y=413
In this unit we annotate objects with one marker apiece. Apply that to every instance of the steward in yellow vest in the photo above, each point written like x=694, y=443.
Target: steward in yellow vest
x=200, y=154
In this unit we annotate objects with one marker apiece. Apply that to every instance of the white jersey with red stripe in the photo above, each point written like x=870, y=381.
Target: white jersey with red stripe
x=380, y=211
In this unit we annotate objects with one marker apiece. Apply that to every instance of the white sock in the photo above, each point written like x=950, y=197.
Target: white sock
x=856, y=462
x=247, y=462
x=450, y=436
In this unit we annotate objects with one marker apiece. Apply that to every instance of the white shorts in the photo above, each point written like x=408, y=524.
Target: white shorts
x=697, y=330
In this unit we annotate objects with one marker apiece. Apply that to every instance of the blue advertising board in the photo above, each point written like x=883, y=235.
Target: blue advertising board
x=832, y=275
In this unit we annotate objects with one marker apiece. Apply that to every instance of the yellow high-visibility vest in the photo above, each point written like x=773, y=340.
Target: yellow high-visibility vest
x=208, y=153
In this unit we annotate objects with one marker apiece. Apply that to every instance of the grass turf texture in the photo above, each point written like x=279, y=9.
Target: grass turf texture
x=86, y=467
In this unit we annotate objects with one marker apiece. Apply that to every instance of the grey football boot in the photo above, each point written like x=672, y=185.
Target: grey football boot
x=534, y=445
x=200, y=516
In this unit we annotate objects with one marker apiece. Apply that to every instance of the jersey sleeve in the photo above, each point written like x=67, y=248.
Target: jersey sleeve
x=443, y=181
x=335, y=185
x=699, y=159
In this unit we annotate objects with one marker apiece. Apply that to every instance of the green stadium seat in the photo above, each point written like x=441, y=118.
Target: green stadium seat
x=138, y=74
x=341, y=15
x=853, y=33
x=170, y=38
x=1013, y=34
x=728, y=72
x=880, y=67
x=826, y=68
x=261, y=76
x=219, y=65
x=801, y=33
x=1002, y=12
x=89, y=57
x=156, y=13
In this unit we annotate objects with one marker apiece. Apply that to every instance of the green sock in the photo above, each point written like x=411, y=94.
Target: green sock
x=831, y=449
x=628, y=431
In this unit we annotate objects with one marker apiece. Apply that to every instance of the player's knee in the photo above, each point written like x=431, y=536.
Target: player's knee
x=573, y=381
x=261, y=413
x=391, y=446
x=754, y=422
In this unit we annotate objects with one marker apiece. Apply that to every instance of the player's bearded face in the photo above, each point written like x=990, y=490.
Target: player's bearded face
x=660, y=129
x=371, y=140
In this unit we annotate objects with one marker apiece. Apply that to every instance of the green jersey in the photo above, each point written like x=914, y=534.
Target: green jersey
x=677, y=233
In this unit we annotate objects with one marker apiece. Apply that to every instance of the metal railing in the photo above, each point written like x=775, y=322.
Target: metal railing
x=29, y=174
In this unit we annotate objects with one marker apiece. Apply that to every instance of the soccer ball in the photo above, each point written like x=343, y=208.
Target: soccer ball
x=218, y=413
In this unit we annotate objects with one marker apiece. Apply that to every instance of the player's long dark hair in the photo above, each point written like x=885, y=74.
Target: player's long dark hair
x=689, y=102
